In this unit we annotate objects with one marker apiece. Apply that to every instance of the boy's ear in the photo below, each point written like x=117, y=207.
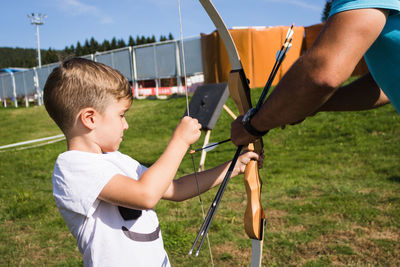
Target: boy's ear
x=88, y=118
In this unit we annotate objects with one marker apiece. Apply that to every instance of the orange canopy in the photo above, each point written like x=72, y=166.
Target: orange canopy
x=257, y=47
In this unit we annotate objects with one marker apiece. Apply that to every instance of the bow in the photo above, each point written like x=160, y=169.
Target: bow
x=240, y=92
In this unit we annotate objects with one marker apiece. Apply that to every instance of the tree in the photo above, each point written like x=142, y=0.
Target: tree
x=79, y=49
x=93, y=45
x=138, y=40
x=131, y=41
x=327, y=9
x=170, y=36
x=114, y=43
x=106, y=45
x=121, y=43
x=86, y=48
x=149, y=40
x=142, y=40
x=50, y=56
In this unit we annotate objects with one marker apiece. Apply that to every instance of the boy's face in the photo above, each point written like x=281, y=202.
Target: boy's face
x=112, y=124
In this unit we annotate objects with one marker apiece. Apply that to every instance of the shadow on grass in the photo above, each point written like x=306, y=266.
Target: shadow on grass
x=395, y=179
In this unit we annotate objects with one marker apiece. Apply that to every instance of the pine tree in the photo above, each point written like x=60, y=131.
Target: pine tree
x=131, y=41
x=93, y=45
x=106, y=45
x=114, y=43
x=50, y=56
x=86, y=48
x=79, y=49
x=327, y=9
x=138, y=40
x=121, y=43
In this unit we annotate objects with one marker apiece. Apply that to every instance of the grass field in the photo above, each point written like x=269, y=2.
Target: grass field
x=331, y=191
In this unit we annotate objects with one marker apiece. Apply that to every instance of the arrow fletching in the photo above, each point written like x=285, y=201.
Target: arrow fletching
x=207, y=148
x=290, y=32
x=281, y=53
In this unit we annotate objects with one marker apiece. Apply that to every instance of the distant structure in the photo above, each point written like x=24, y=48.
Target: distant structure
x=11, y=70
x=37, y=19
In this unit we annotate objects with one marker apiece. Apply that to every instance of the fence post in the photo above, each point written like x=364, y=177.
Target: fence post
x=36, y=84
x=4, y=92
x=178, y=66
x=25, y=92
x=14, y=90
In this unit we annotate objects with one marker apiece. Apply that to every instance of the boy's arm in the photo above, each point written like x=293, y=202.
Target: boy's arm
x=186, y=186
x=146, y=192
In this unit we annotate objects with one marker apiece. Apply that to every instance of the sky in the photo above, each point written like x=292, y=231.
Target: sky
x=70, y=21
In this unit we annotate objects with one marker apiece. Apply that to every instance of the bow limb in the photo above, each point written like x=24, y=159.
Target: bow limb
x=240, y=92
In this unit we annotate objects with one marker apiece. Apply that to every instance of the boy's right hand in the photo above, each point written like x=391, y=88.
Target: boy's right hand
x=244, y=159
x=188, y=130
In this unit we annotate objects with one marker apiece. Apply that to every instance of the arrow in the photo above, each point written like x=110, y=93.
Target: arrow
x=211, y=212
x=280, y=56
x=209, y=146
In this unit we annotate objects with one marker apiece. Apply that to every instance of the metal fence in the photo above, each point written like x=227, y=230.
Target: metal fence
x=152, y=62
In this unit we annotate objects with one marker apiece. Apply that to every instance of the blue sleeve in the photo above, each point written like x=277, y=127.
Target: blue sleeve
x=344, y=5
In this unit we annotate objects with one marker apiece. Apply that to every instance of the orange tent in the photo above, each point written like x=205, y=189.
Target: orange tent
x=257, y=47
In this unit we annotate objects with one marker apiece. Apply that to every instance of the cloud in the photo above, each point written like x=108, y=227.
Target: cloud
x=305, y=4
x=77, y=8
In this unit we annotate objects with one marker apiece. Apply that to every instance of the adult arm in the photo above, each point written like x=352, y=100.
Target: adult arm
x=361, y=94
x=316, y=76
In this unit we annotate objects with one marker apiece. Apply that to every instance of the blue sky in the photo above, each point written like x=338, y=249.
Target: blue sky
x=69, y=21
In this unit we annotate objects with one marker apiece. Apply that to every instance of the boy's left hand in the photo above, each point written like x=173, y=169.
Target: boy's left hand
x=244, y=159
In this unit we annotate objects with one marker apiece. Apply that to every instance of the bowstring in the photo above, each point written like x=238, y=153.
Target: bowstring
x=188, y=113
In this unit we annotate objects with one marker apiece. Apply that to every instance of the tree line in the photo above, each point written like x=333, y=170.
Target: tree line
x=27, y=57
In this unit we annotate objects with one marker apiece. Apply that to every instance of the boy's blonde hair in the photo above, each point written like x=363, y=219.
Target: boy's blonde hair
x=80, y=83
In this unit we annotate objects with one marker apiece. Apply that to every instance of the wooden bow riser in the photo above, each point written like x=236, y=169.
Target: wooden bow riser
x=239, y=91
x=254, y=214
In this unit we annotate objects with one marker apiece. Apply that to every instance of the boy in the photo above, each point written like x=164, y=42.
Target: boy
x=105, y=197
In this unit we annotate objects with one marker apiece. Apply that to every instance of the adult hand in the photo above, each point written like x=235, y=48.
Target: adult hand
x=239, y=135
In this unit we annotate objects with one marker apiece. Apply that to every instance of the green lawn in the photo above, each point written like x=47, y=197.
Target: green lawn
x=331, y=191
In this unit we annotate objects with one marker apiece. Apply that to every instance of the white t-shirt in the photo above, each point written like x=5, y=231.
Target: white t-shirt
x=103, y=236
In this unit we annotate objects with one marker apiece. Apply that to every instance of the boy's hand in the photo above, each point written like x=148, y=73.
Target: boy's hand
x=244, y=159
x=188, y=130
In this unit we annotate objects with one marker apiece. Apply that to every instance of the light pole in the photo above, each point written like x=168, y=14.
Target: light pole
x=37, y=19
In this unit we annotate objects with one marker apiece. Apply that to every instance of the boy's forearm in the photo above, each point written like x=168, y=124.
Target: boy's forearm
x=186, y=186
x=160, y=175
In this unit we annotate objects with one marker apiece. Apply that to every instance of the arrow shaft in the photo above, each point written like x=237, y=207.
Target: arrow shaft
x=213, y=208
x=209, y=146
